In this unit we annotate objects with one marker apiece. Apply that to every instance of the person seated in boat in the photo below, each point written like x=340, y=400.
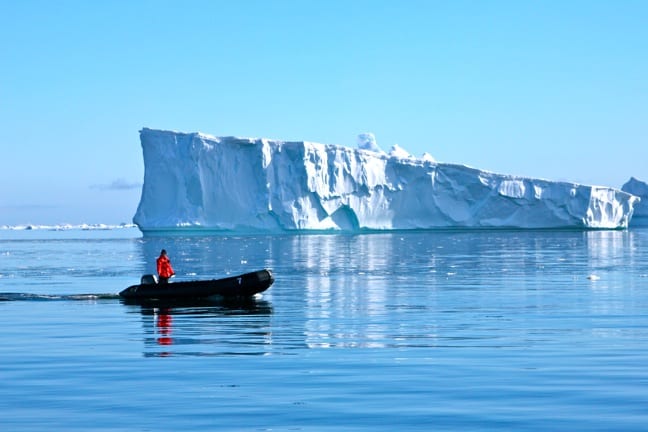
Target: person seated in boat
x=164, y=269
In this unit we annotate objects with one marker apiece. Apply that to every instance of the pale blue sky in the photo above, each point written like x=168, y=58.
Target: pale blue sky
x=550, y=89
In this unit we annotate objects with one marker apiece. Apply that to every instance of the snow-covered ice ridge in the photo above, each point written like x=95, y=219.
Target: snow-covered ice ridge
x=197, y=181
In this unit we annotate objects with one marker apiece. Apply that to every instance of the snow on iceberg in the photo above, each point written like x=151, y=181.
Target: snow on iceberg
x=367, y=141
x=197, y=181
x=640, y=189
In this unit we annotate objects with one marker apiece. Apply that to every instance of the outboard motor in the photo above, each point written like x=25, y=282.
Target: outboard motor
x=149, y=279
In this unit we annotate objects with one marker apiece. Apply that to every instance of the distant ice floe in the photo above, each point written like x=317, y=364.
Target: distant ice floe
x=66, y=227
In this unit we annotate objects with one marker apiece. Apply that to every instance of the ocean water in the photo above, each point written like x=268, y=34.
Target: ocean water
x=488, y=330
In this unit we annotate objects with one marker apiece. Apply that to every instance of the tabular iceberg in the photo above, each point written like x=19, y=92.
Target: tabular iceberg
x=196, y=181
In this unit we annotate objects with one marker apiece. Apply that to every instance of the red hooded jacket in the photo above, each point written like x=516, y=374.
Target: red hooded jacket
x=164, y=267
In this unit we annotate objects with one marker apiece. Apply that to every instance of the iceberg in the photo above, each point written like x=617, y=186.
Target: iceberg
x=640, y=189
x=194, y=181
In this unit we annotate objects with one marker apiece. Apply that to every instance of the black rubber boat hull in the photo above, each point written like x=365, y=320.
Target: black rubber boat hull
x=241, y=286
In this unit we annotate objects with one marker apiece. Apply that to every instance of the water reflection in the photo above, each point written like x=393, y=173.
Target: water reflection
x=414, y=289
x=216, y=329
x=163, y=326
x=610, y=248
x=407, y=289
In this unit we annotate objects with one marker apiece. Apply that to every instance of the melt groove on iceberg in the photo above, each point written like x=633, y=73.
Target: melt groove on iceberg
x=197, y=181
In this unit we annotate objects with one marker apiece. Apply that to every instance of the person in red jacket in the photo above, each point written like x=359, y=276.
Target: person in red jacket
x=164, y=268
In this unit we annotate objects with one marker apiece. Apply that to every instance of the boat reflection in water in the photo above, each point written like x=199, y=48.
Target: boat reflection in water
x=163, y=325
x=206, y=328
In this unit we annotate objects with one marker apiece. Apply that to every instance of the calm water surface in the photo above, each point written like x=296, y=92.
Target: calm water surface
x=493, y=330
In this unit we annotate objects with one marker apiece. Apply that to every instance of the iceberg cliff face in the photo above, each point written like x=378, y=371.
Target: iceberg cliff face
x=234, y=184
x=640, y=189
